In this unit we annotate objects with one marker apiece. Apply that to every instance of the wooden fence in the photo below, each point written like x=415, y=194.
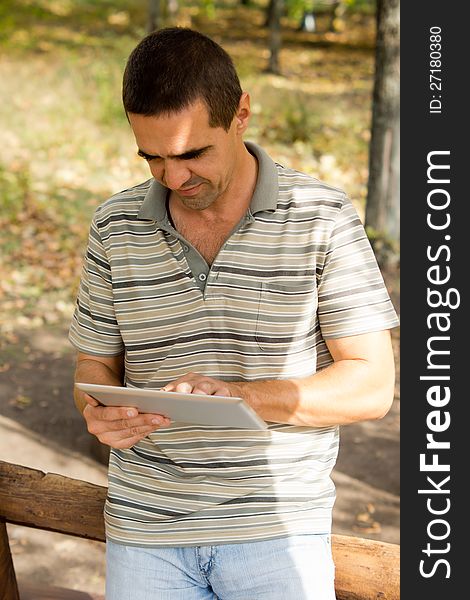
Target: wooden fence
x=365, y=569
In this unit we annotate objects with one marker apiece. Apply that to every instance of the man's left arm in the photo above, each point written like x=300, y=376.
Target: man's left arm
x=357, y=386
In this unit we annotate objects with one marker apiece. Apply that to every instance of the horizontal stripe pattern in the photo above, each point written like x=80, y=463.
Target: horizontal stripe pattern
x=285, y=281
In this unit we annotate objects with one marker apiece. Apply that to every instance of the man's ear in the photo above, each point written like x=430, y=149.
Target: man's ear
x=243, y=113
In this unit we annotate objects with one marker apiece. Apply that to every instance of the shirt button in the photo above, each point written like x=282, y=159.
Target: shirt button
x=202, y=276
x=186, y=248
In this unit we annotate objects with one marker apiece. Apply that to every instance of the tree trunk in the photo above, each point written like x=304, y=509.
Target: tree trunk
x=275, y=13
x=268, y=13
x=153, y=15
x=383, y=199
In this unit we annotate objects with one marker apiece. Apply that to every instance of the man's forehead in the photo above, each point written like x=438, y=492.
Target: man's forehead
x=176, y=133
x=196, y=110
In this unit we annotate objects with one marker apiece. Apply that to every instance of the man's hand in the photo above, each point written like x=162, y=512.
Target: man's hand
x=120, y=427
x=357, y=386
x=194, y=383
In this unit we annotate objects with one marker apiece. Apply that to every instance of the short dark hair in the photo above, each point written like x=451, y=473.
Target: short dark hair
x=172, y=68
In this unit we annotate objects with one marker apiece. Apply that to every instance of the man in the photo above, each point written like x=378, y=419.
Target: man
x=225, y=274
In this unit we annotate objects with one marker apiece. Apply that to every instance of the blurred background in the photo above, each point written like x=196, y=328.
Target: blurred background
x=323, y=78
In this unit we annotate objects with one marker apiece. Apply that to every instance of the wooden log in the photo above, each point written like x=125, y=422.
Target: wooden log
x=8, y=586
x=365, y=569
x=51, y=502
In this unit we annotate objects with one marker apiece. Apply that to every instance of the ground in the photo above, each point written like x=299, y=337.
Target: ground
x=40, y=428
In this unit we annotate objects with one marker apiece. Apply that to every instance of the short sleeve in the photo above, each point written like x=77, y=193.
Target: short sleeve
x=352, y=297
x=94, y=329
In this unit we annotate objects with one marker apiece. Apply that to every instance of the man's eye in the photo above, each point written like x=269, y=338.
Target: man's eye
x=193, y=155
x=146, y=157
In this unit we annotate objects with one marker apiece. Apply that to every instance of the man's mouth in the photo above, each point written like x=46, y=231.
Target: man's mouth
x=191, y=191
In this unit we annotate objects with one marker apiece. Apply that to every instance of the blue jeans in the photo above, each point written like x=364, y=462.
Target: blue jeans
x=292, y=568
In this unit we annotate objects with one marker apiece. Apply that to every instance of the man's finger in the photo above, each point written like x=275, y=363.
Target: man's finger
x=111, y=413
x=124, y=438
x=134, y=432
x=115, y=413
x=204, y=387
x=184, y=387
x=147, y=420
x=90, y=400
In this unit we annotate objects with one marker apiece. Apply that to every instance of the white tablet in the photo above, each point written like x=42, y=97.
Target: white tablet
x=198, y=409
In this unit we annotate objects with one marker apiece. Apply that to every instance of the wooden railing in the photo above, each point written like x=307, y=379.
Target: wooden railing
x=365, y=569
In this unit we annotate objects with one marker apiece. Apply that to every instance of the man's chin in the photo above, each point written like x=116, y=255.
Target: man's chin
x=196, y=202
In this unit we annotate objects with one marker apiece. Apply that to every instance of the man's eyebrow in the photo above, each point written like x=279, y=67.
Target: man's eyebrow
x=193, y=153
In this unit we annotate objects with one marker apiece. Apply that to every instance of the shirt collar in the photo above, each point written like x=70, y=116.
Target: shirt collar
x=264, y=197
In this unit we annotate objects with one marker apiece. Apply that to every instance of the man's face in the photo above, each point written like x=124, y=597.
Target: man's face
x=188, y=156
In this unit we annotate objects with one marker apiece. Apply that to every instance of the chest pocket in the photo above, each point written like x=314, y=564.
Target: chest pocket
x=286, y=319
x=276, y=318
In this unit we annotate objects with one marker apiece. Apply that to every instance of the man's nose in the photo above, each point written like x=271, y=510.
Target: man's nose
x=175, y=174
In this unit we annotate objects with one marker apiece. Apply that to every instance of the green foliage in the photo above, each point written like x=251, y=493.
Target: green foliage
x=296, y=8
x=318, y=126
x=14, y=190
x=209, y=8
x=386, y=249
x=365, y=6
x=298, y=122
x=105, y=93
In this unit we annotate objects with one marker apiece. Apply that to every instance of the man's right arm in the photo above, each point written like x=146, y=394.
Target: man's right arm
x=118, y=427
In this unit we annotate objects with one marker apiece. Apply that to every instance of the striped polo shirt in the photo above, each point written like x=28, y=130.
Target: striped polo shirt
x=298, y=269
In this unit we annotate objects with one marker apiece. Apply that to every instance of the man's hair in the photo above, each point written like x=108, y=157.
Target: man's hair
x=172, y=68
